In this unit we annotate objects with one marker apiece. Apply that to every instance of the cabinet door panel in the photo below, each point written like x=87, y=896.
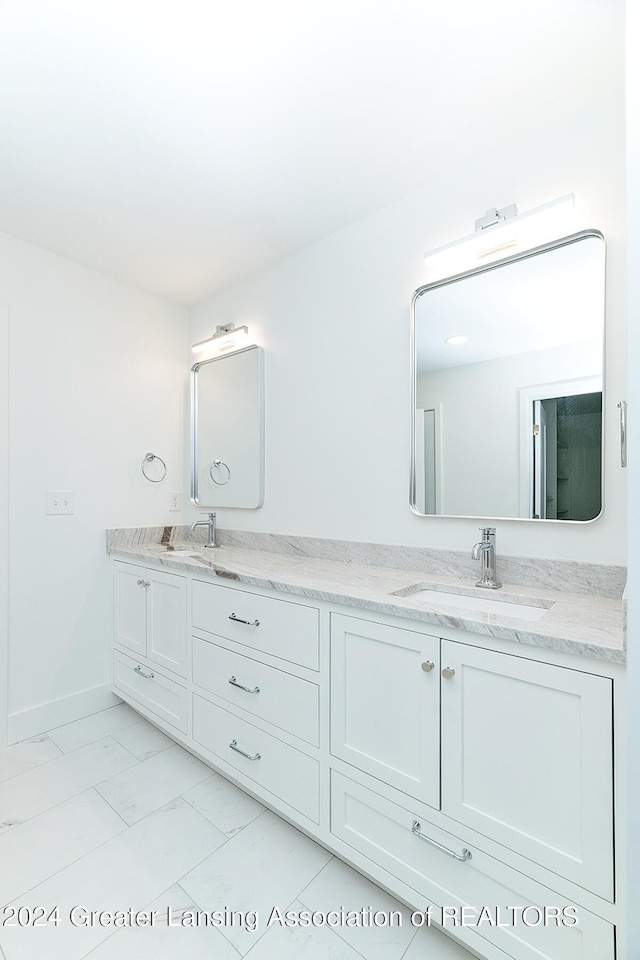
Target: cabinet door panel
x=167, y=623
x=527, y=760
x=130, y=613
x=384, y=705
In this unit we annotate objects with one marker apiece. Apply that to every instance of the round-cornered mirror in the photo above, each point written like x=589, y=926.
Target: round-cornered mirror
x=507, y=410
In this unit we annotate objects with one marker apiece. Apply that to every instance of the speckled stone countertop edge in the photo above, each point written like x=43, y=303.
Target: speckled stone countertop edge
x=583, y=624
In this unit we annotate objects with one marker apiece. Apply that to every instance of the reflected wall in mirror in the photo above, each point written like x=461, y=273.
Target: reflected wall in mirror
x=227, y=430
x=507, y=365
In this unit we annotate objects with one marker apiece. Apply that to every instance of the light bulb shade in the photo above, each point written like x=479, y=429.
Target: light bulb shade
x=226, y=338
x=521, y=232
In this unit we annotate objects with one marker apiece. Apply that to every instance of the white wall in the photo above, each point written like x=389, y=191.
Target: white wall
x=334, y=321
x=97, y=377
x=633, y=585
x=4, y=510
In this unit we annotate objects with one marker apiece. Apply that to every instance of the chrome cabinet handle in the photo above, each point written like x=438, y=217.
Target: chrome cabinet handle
x=143, y=583
x=147, y=676
x=250, y=623
x=428, y=666
x=448, y=672
x=416, y=827
x=234, y=746
x=234, y=683
x=622, y=407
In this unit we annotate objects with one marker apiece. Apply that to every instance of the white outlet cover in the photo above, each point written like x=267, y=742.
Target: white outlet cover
x=61, y=502
x=175, y=500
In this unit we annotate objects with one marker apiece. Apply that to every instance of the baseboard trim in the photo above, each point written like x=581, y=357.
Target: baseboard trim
x=46, y=716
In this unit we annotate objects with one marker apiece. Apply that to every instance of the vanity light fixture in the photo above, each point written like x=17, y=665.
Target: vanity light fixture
x=227, y=337
x=457, y=340
x=502, y=231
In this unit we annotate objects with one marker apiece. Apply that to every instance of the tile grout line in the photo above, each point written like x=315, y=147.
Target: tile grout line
x=337, y=929
x=125, y=726
x=87, y=853
x=227, y=835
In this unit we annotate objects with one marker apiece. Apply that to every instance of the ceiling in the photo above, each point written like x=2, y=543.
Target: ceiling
x=183, y=146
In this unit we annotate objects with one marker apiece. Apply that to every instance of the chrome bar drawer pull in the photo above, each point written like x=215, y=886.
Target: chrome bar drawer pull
x=234, y=683
x=147, y=676
x=416, y=827
x=622, y=407
x=250, y=623
x=234, y=746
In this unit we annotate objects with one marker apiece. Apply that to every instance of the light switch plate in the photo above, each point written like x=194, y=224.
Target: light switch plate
x=61, y=501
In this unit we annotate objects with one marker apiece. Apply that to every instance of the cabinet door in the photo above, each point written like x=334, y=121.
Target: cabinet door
x=527, y=759
x=167, y=621
x=385, y=704
x=130, y=606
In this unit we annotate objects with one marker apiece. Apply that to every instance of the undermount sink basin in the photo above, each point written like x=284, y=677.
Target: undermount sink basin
x=185, y=553
x=505, y=608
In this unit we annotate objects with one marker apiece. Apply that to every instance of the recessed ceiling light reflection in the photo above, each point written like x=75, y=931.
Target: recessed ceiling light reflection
x=456, y=341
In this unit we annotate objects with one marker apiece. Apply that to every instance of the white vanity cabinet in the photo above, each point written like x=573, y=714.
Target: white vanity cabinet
x=454, y=775
x=150, y=641
x=473, y=767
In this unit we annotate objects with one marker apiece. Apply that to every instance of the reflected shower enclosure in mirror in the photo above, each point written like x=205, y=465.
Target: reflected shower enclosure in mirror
x=507, y=369
x=227, y=430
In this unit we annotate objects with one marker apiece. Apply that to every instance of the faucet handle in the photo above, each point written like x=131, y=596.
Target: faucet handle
x=487, y=532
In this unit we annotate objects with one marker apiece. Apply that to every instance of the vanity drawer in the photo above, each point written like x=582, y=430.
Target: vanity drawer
x=151, y=689
x=278, y=627
x=269, y=694
x=382, y=831
x=281, y=770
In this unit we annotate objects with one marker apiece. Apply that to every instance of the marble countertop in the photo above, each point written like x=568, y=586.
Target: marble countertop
x=577, y=623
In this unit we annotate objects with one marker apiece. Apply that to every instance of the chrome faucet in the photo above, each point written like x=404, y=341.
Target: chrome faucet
x=211, y=524
x=486, y=549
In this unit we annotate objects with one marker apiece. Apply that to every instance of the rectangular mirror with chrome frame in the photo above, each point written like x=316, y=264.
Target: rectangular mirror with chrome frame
x=507, y=387
x=227, y=430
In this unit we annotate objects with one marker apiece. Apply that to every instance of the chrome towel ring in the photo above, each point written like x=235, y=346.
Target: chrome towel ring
x=149, y=458
x=217, y=464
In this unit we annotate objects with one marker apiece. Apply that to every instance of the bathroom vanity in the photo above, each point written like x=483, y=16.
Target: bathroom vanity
x=459, y=758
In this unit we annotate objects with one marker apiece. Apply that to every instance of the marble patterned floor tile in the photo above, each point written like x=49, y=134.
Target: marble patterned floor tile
x=263, y=866
x=339, y=886
x=143, y=740
x=291, y=943
x=430, y=942
x=167, y=938
x=43, y=787
x=79, y=733
x=23, y=756
x=225, y=805
x=46, y=844
x=127, y=872
x=149, y=785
